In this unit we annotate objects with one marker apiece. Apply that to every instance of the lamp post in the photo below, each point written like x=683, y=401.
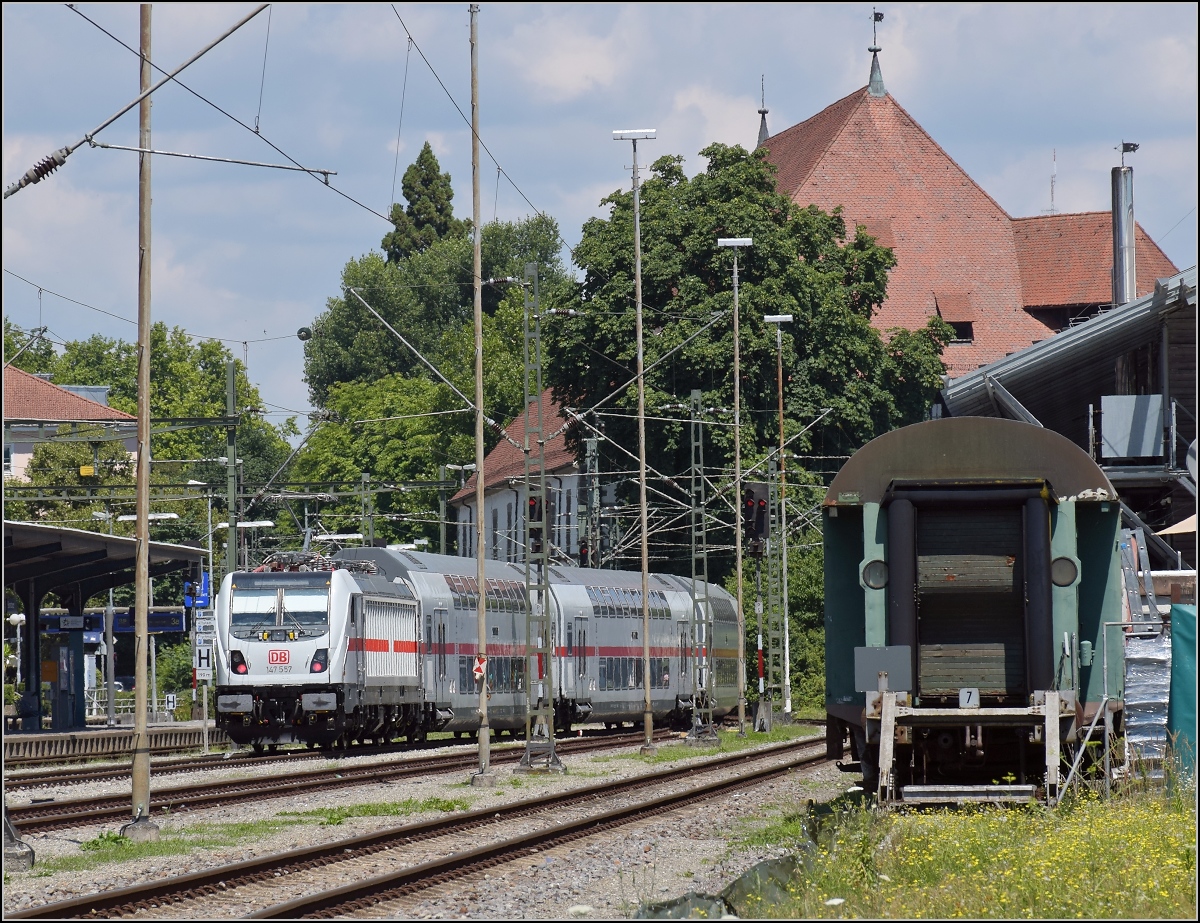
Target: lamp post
x=735, y=243
x=253, y=524
x=110, y=616
x=779, y=320
x=646, y=134
x=17, y=621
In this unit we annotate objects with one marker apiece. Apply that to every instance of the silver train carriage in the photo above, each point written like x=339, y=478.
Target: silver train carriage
x=378, y=644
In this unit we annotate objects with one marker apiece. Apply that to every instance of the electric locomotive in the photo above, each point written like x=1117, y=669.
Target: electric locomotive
x=378, y=643
x=972, y=573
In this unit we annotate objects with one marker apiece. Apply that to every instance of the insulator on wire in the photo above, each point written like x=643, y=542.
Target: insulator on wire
x=47, y=165
x=40, y=170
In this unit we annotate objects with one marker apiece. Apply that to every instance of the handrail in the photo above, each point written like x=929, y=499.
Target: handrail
x=1083, y=745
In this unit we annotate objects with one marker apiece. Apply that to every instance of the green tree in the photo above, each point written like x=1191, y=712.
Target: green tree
x=802, y=262
x=402, y=428
x=174, y=666
x=422, y=297
x=188, y=380
x=38, y=357
x=844, y=382
x=393, y=430
x=429, y=215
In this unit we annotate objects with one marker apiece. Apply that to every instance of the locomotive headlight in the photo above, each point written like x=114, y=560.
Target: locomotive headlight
x=237, y=662
x=875, y=574
x=1063, y=572
x=320, y=661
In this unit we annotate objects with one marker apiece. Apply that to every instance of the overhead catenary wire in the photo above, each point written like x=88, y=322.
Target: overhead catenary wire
x=400, y=126
x=263, y=83
x=236, y=120
x=51, y=163
x=195, y=336
x=499, y=170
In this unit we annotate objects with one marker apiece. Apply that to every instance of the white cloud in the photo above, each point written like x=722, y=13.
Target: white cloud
x=700, y=116
x=561, y=60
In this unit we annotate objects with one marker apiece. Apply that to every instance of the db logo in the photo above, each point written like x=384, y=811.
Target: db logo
x=277, y=656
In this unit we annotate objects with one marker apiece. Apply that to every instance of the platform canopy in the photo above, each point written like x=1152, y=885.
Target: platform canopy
x=57, y=558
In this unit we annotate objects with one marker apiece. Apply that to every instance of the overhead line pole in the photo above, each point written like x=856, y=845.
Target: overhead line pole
x=737, y=242
x=142, y=828
x=484, y=776
x=648, y=747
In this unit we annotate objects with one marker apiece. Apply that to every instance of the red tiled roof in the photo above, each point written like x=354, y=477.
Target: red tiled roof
x=1067, y=259
x=952, y=241
x=28, y=397
x=507, y=461
x=796, y=151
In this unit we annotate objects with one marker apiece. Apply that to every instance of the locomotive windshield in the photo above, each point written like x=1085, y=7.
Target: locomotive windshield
x=303, y=610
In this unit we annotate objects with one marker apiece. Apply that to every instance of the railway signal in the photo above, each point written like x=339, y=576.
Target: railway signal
x=756, y=516
x=535, y=525
x=748, y=518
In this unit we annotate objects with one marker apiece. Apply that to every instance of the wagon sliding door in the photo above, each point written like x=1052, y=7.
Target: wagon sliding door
x=970, y=602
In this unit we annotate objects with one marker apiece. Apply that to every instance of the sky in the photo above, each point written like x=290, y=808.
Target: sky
x=1012, y=92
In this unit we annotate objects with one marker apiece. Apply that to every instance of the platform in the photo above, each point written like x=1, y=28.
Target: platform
x=106, y=742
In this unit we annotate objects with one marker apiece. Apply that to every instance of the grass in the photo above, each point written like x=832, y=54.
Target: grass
x=1133, y=856
x=331, y=817
x=111, y=847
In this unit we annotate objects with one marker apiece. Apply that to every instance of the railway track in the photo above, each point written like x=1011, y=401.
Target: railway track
x=40, y=816
x=215, y=892
x=74, y=775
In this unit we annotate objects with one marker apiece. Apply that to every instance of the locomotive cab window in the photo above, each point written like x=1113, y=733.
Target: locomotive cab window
x=302, y=611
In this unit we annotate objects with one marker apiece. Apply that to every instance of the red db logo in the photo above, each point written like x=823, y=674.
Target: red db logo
x=277, y=656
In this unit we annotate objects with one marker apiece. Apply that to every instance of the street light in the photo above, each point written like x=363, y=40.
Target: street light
x=779, y=320
x=252, y=524
x=110, y=642
x=736, y=243
x=133, y=516
x=17, y=621
x=635, y=135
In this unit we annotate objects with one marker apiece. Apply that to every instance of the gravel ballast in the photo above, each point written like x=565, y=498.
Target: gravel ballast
x=610, y=875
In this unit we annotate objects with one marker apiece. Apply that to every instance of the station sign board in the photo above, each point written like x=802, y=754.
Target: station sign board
x=156, y=623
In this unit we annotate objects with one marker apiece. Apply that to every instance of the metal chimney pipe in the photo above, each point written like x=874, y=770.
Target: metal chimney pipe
x=1124, y=263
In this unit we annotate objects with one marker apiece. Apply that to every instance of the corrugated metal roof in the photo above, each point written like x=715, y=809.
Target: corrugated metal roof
x=1057, y=378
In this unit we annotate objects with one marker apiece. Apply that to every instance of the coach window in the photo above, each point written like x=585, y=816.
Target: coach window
x=570, y=639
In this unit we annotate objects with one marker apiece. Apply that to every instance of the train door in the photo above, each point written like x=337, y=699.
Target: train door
x=428, y=671
x=440, y=657
x=970, y=604
x=569, y=676
x=683, y=676
x=581, y=656
x=356, y=669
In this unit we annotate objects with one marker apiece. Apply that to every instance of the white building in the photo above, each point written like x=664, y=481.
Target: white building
x=35, y=410
x=504, y=495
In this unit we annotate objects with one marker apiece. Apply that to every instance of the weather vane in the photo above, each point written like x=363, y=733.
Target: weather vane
x=876, y=16
x=1127, y=147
